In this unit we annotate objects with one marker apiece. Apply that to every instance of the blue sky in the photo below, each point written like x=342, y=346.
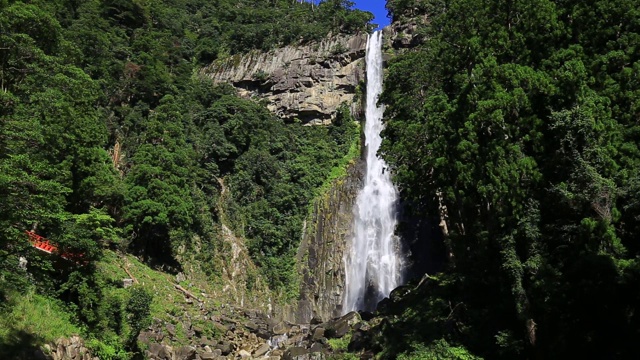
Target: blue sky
x=377, y=8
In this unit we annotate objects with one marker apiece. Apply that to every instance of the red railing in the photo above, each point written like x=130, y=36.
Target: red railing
x=44, y=244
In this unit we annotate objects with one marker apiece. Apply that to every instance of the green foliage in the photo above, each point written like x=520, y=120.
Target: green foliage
x=138, y=310
x=251, y=24
x=273, y=182
x=519, y=122
x=401, y=9
x=109, y=141
x=340, y=344
x=260, y=75
x=88, y=233
x=338, y=49
x=439, y=350
x=31, y=321
x=110, y=349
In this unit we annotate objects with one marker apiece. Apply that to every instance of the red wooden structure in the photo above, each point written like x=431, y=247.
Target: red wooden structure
x=44, y=244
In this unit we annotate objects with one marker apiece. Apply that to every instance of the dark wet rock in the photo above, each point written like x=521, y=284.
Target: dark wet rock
x=339, y=327
x=225, y=347
x=293, y=353
x=359, y=341
x=366, y=315
x=316, y=347
x=318, y=334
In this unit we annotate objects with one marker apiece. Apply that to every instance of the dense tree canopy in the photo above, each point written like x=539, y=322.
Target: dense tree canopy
x=526, y=134
x=108, y=140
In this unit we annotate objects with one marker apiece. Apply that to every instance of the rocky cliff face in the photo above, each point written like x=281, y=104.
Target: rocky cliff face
x=327, y=235
x=305, y=82
x=405, y=34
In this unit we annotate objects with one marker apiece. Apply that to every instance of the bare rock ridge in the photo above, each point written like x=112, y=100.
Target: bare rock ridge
x=305, y=82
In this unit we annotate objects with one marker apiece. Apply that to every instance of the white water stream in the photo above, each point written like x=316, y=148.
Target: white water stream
x=373, y=266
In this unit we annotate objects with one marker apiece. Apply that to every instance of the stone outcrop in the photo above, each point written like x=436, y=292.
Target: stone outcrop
x=72, y=348
x=405, y=34
x=242, y=334
x=249, y=334
x=306, y=82
x=321, y=253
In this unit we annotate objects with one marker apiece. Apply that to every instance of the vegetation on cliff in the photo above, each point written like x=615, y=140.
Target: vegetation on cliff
x=109, y=140
x=516, y=123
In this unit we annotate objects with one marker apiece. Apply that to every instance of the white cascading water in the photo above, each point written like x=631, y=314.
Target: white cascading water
x=373, y=266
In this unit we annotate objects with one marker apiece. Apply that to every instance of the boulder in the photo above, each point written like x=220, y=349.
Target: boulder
x=159, y=352
x=318, y=334
x=253, y=327
x=185, y=353
x=224, y=347
x=295, y=353
x=339, y=327
x=166, y=353
x=263, y=349
x=366, y=315
x=219, y=327
x=280, y=328
x=171, y=329
x=316, y=347
x=277, y=352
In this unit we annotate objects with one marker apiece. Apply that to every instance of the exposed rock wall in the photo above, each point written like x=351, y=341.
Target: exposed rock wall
x=72, y=348
x=327, y=235
x=404, y=34
x=306, y=82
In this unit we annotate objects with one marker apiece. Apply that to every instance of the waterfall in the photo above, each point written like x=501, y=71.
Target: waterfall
x=373, y=266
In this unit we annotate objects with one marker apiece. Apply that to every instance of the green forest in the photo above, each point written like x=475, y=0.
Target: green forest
x=514, y=124
x=518, y=124
x=109, y=140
